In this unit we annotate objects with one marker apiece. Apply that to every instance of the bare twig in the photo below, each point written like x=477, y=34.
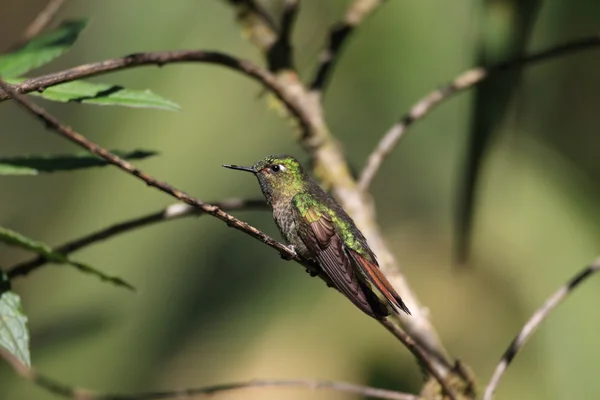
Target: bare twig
x=76, y=393
x=280, y=55
x=534, y=322
x=43, y=19
x=338, y=35
x=464, y=81
x=170, y=213
x=52, y=123
x=423, y=356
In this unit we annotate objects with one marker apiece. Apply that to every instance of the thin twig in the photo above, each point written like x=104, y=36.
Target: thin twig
x=422, y=355
x=68, y=133
x=534, y=322
x=170, y=213
x=41, y=21
x=280, y=55
x=58, y=388
x=163, y=58
x=338, y=36
x=464, y=81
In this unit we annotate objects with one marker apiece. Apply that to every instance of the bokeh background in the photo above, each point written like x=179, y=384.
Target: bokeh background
x=214, y=305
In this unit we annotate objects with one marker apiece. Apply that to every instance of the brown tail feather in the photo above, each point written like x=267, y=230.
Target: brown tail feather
x=379, y=280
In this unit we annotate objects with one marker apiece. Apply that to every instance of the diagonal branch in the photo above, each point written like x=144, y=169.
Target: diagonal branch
x=76, y=393
x=464, y=81
x=68, y=133
x=170, y=213
x=41, y=21
x=425, y=358
x=534, y=322
x=338, y=36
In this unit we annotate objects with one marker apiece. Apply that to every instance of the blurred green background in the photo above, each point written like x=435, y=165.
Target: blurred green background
x=214, y=305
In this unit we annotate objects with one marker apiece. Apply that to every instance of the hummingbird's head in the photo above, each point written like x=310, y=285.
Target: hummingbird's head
x=280, y=176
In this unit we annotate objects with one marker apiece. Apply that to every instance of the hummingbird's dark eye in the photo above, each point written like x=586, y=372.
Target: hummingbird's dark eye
x=275, y=168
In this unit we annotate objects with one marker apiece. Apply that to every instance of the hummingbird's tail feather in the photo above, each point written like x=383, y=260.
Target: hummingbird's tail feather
x=376, y=277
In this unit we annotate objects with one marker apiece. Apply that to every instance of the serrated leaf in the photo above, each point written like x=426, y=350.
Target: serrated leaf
x=13, y=238
x=41, y=50
x=35, y=164
x=14, y=335
x=106, y=95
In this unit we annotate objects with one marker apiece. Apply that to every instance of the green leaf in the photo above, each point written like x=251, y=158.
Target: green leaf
x=106, y=95
x=13, y=238
x=14, y=335
x=35, y=164
x=41, y=50
x=102, y=94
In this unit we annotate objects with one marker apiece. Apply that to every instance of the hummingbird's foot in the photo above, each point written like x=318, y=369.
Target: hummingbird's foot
x=288, y=257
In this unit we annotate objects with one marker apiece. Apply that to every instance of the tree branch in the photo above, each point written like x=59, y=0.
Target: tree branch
x=464, y=81
x=534, y=322
x=338, y=36
x=76, y=393
x=257, y=73
x=43, y=19
x=170, y=213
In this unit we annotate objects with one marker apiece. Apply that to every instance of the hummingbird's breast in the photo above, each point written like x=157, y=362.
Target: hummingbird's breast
x=284, y=217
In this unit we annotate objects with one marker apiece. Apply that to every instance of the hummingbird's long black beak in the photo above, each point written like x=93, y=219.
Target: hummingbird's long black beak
x=248, y=169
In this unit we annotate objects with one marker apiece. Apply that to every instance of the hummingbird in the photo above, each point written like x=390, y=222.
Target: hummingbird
x=317, y=228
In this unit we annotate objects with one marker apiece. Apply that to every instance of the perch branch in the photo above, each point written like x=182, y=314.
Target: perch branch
x=76, y=393
x=68, y=133
x=534, y=322
x=170, y=213
x=464, y=81
x=41, y=21
x=338, y=36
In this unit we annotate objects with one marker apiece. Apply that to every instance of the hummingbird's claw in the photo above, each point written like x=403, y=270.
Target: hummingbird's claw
x=288, y=257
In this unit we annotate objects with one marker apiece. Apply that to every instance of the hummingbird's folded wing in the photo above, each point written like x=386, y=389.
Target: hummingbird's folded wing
x=318, y=234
